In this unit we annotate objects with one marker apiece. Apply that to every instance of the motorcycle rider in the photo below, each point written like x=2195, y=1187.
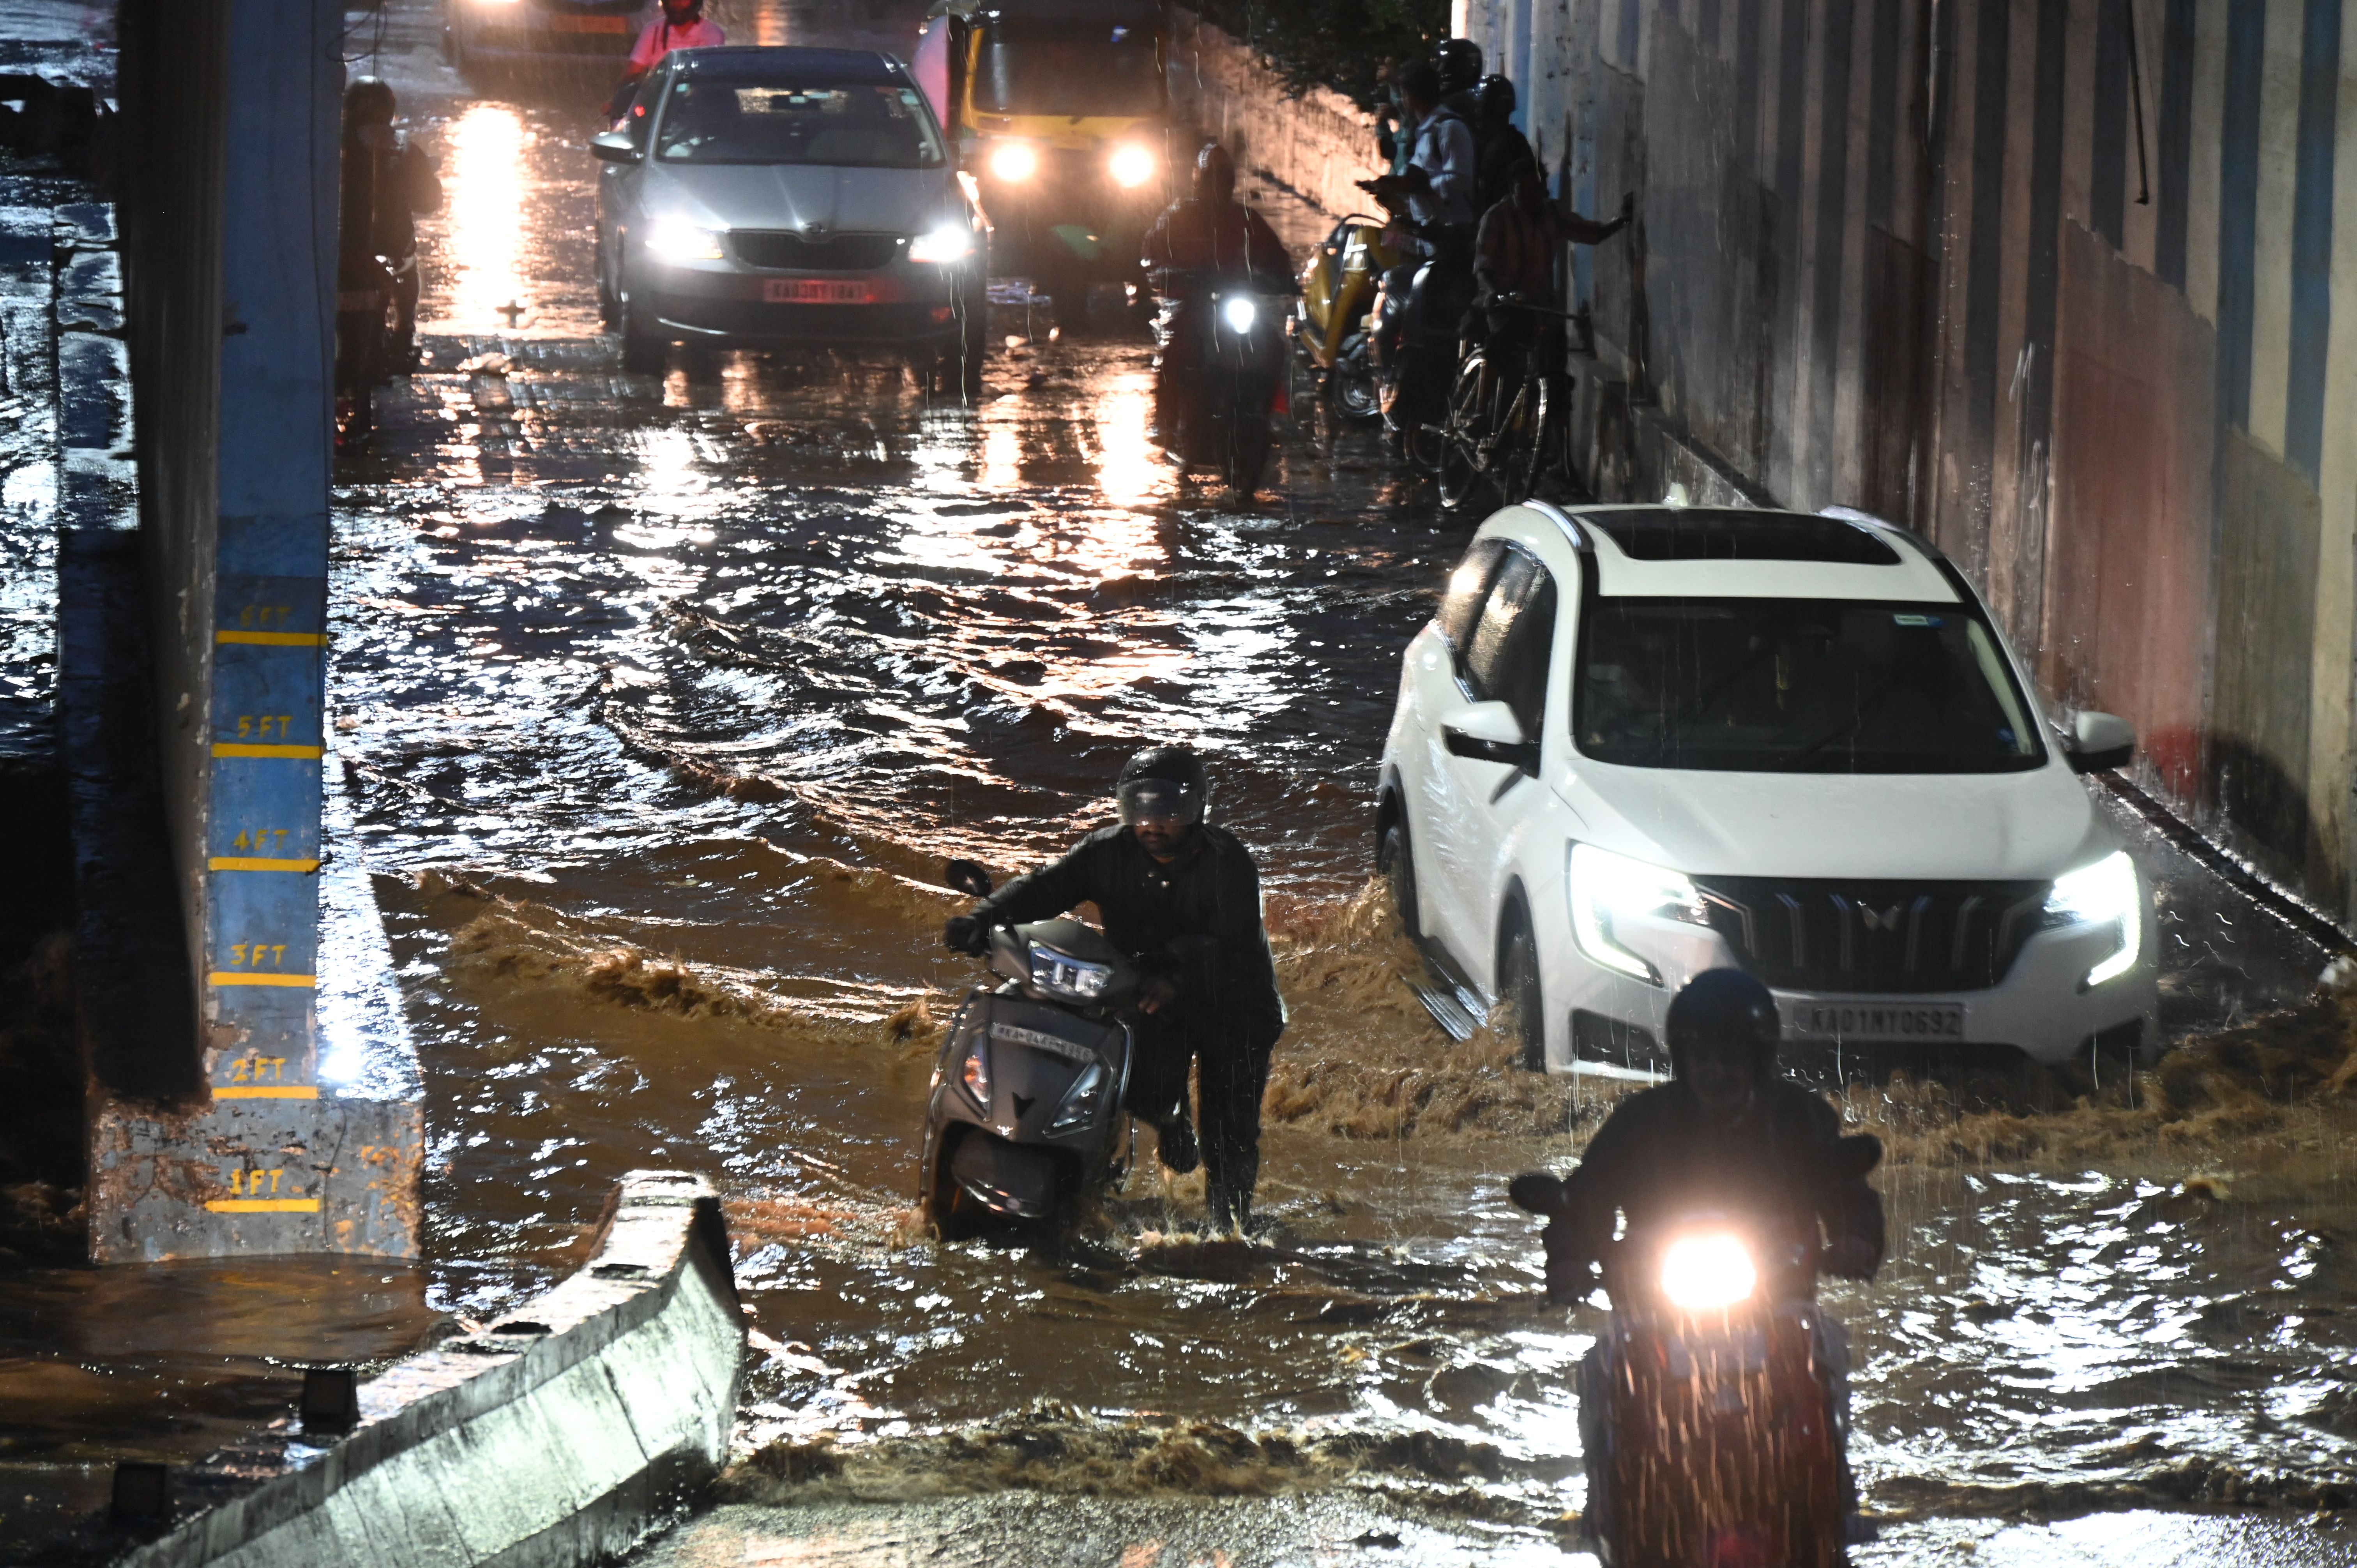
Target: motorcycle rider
x=680, y=26
x=1207, y=233
x=1725, y=1136
x=387, y=181
x=1458, y=63
x=1182, y=898
x=1499, y=145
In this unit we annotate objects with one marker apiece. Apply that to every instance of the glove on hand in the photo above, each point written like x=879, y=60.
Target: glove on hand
x=966, y=934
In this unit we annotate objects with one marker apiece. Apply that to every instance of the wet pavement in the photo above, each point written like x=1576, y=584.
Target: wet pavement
x=667, y=695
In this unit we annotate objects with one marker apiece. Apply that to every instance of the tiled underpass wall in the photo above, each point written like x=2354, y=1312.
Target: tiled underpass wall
x=2068, y=285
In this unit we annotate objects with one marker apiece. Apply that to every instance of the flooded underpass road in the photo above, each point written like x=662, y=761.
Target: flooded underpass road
x=663, y=700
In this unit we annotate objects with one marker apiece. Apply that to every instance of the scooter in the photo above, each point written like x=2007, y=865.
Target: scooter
x=1027, y=1118
x=1219, y=377
x=1714, y=1407
x=1331, y=323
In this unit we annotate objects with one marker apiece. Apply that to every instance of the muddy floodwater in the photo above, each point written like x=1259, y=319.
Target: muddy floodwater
x=664, y=699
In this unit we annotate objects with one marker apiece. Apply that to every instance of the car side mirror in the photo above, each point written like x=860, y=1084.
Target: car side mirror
x=613, y=147
x=2098, y=743
x=1489, y=732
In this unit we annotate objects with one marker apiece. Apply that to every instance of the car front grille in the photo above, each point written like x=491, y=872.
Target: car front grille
x=1898, y=937
x=789, y=251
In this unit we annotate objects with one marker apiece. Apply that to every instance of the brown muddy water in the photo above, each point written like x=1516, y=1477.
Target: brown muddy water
x=667, y=697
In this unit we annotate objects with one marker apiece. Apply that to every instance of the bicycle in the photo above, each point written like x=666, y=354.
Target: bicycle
x=1489, y=438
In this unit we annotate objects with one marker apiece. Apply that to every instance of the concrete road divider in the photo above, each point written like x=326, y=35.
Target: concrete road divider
x=562, y=1434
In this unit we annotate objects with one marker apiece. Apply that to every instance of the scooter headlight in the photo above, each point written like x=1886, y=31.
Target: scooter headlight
x=1708, y=1270
x=1081, y=1101
x=1014, y=161
x=976, y=1073
x=1606, y=888
x=674, y=240
x=1061, y=974
x=1240, y=312
x=2105, y=893
x=1131, y=166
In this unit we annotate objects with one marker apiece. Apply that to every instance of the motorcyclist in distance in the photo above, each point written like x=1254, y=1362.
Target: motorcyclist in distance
x=387, y=182
x=1726, y=1136
x=1207, y=233
x=1182, y=898
x=681, y=27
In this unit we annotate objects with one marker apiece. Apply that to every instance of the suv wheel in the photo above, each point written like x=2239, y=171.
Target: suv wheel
x=1395, y=862
x=1518, y=992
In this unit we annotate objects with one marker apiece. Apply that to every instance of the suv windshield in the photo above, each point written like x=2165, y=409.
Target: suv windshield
x=1026, y=73
x=871, y=126
x=1797, y=685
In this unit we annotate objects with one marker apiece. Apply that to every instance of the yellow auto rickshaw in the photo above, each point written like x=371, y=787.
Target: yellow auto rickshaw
x=1330, y=318
x=1061, y=114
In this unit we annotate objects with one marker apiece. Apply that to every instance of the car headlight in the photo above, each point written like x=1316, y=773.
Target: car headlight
x=1061, y=974
x=1606, y=888
x=1131, y=166
x=1079, y=1107
x=1014, y=161
x=1239, y=312
x=1704, y=1271
x=2105, y=893
x=676, y=240
x=976, y=1073
x=950, y=242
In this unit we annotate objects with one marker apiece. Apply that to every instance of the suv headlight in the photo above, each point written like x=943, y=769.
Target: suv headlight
x=2105, y=893
x=950, y=242
x=1606, y=888
x=1061, y=974
x=676, y=240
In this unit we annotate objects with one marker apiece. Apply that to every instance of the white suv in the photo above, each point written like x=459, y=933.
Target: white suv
x=1637, y=742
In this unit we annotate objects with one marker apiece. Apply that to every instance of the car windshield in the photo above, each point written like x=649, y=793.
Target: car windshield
x=1020, y=73
x=873, y=125
x=1797, y=685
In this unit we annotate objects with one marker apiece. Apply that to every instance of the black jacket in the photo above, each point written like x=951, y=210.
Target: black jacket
x=1212, y=891
x=1659, y=1155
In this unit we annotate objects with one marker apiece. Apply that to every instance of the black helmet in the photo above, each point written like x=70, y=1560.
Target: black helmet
x=1495, y=96
x=1215, y=180
x=1726, y=1010
x=1164, y=781
x=1458, y=61
x=368, y=100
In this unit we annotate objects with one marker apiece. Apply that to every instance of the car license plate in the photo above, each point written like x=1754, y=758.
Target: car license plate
x=1928, y=1023
x=563, y=24
x=817, y=291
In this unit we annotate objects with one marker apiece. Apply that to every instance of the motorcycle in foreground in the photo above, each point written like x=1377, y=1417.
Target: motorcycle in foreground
x=1219, y=377
x=1331, y=323
x=1025, y=1119
x=1714, y=1407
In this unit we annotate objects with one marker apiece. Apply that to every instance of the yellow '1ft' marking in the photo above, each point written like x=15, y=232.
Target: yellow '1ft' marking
x=264, y=1092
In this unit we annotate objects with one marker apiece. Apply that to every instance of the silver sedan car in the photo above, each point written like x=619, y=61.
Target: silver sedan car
x=790, y=198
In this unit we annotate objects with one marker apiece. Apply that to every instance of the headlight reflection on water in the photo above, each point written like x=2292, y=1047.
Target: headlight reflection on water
x=485, y=187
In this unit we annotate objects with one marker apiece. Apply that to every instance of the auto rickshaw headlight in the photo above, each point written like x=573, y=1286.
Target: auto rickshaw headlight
x=1014, y=161
x=1131, y=166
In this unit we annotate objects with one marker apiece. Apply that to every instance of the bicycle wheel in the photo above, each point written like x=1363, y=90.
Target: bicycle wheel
x=1462, y=465
x=1522, y=444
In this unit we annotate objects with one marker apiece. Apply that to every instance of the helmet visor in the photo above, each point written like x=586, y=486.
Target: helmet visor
x=1159, y=799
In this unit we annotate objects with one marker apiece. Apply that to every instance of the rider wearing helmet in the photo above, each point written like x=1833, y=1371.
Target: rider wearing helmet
x=1182, y=898
x=1725, y=1135
x=1498, y=144
x=1210, y=232
x=387, y=180
x=1457, y=62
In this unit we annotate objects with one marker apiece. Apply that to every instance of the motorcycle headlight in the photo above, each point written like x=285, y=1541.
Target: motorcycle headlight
x=1708, y=1270
x=1239, y=312
x=2104, y=893
x=1081, y=1102
x=676, y=240
x=976, y=1073
x=1014, y=161
x=1061, y=974
x=950, y=242
x=1131, y=166
x=1606, y=888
